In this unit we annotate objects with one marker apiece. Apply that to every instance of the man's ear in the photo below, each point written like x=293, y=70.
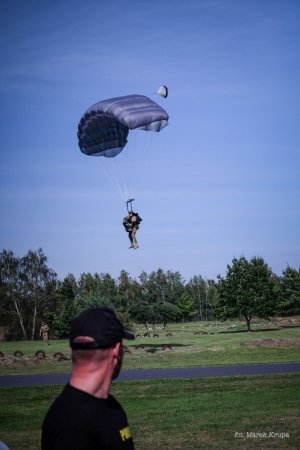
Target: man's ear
x=117, y=348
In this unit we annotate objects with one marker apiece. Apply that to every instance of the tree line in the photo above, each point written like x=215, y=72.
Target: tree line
x=30, y=292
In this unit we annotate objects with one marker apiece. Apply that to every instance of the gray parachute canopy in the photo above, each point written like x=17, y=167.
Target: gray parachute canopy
x=104, y=127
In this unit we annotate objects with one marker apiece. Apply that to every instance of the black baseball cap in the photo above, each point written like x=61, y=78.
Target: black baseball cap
x=102, y=325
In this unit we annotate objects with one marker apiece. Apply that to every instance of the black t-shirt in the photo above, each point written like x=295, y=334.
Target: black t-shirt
x=79, y=421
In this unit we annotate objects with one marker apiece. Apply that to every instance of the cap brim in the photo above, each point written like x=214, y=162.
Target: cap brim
x=128, y=335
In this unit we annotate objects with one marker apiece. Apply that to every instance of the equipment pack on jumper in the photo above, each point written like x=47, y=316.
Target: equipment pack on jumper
x=138, y=218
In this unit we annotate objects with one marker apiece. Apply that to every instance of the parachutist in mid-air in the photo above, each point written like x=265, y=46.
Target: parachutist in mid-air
x=104, y=127
x=131, y=224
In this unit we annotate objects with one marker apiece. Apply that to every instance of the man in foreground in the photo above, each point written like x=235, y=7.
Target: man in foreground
x=85, y=416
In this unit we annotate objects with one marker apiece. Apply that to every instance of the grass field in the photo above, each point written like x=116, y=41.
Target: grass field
x=228, y=413
x=220, y=413
x=222, y=343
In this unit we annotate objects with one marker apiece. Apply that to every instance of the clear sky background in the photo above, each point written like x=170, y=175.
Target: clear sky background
x=221, y=181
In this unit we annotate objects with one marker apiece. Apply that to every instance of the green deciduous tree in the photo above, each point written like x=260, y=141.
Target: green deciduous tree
x=12, y=304
x=38, y=285
x=142, y=313
x=29, y=288
x=289, y=291
x=166, y=312
x=66, y=307
x=129, y=291
x=197, y=289
x=246, y=291
x=161, y=286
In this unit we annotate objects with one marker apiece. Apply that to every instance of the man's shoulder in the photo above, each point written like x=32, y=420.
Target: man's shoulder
x=77, y=416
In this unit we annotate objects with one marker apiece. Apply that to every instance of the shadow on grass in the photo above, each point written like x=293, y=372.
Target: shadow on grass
x=246, y=331
x=153, y=348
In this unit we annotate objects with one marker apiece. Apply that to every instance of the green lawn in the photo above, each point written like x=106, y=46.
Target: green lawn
x=218, y=413
x=227, y=413
x=223, y=343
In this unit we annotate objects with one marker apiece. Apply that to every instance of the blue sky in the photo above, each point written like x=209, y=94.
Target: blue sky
x=221, y=181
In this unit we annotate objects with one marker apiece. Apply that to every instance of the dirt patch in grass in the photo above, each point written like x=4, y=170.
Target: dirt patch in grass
x=288, y=321
x=27, y=361
x=273, y=343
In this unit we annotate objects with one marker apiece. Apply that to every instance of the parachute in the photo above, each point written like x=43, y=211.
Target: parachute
x=103, y=129
x=163, y=91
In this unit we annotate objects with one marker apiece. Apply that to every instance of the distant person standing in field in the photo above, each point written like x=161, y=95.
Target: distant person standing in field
x=85, y=416
x=44, y=332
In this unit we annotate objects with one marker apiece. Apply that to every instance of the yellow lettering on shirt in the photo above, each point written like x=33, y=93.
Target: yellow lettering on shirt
x=125, y=434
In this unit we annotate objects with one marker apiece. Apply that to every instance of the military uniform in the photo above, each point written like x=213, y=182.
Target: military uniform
x=44, y=331
x=131, y=223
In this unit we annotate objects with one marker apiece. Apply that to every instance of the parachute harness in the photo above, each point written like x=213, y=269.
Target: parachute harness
x=127, y=204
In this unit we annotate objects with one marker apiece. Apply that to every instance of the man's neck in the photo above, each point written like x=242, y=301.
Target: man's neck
x=95, y=383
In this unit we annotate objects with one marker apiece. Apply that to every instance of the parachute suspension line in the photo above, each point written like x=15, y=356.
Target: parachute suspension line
x=131, y=166
x=148, y=148
x=104, y=127
x=138, y=156
x=113, y=179
x=130, y=163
